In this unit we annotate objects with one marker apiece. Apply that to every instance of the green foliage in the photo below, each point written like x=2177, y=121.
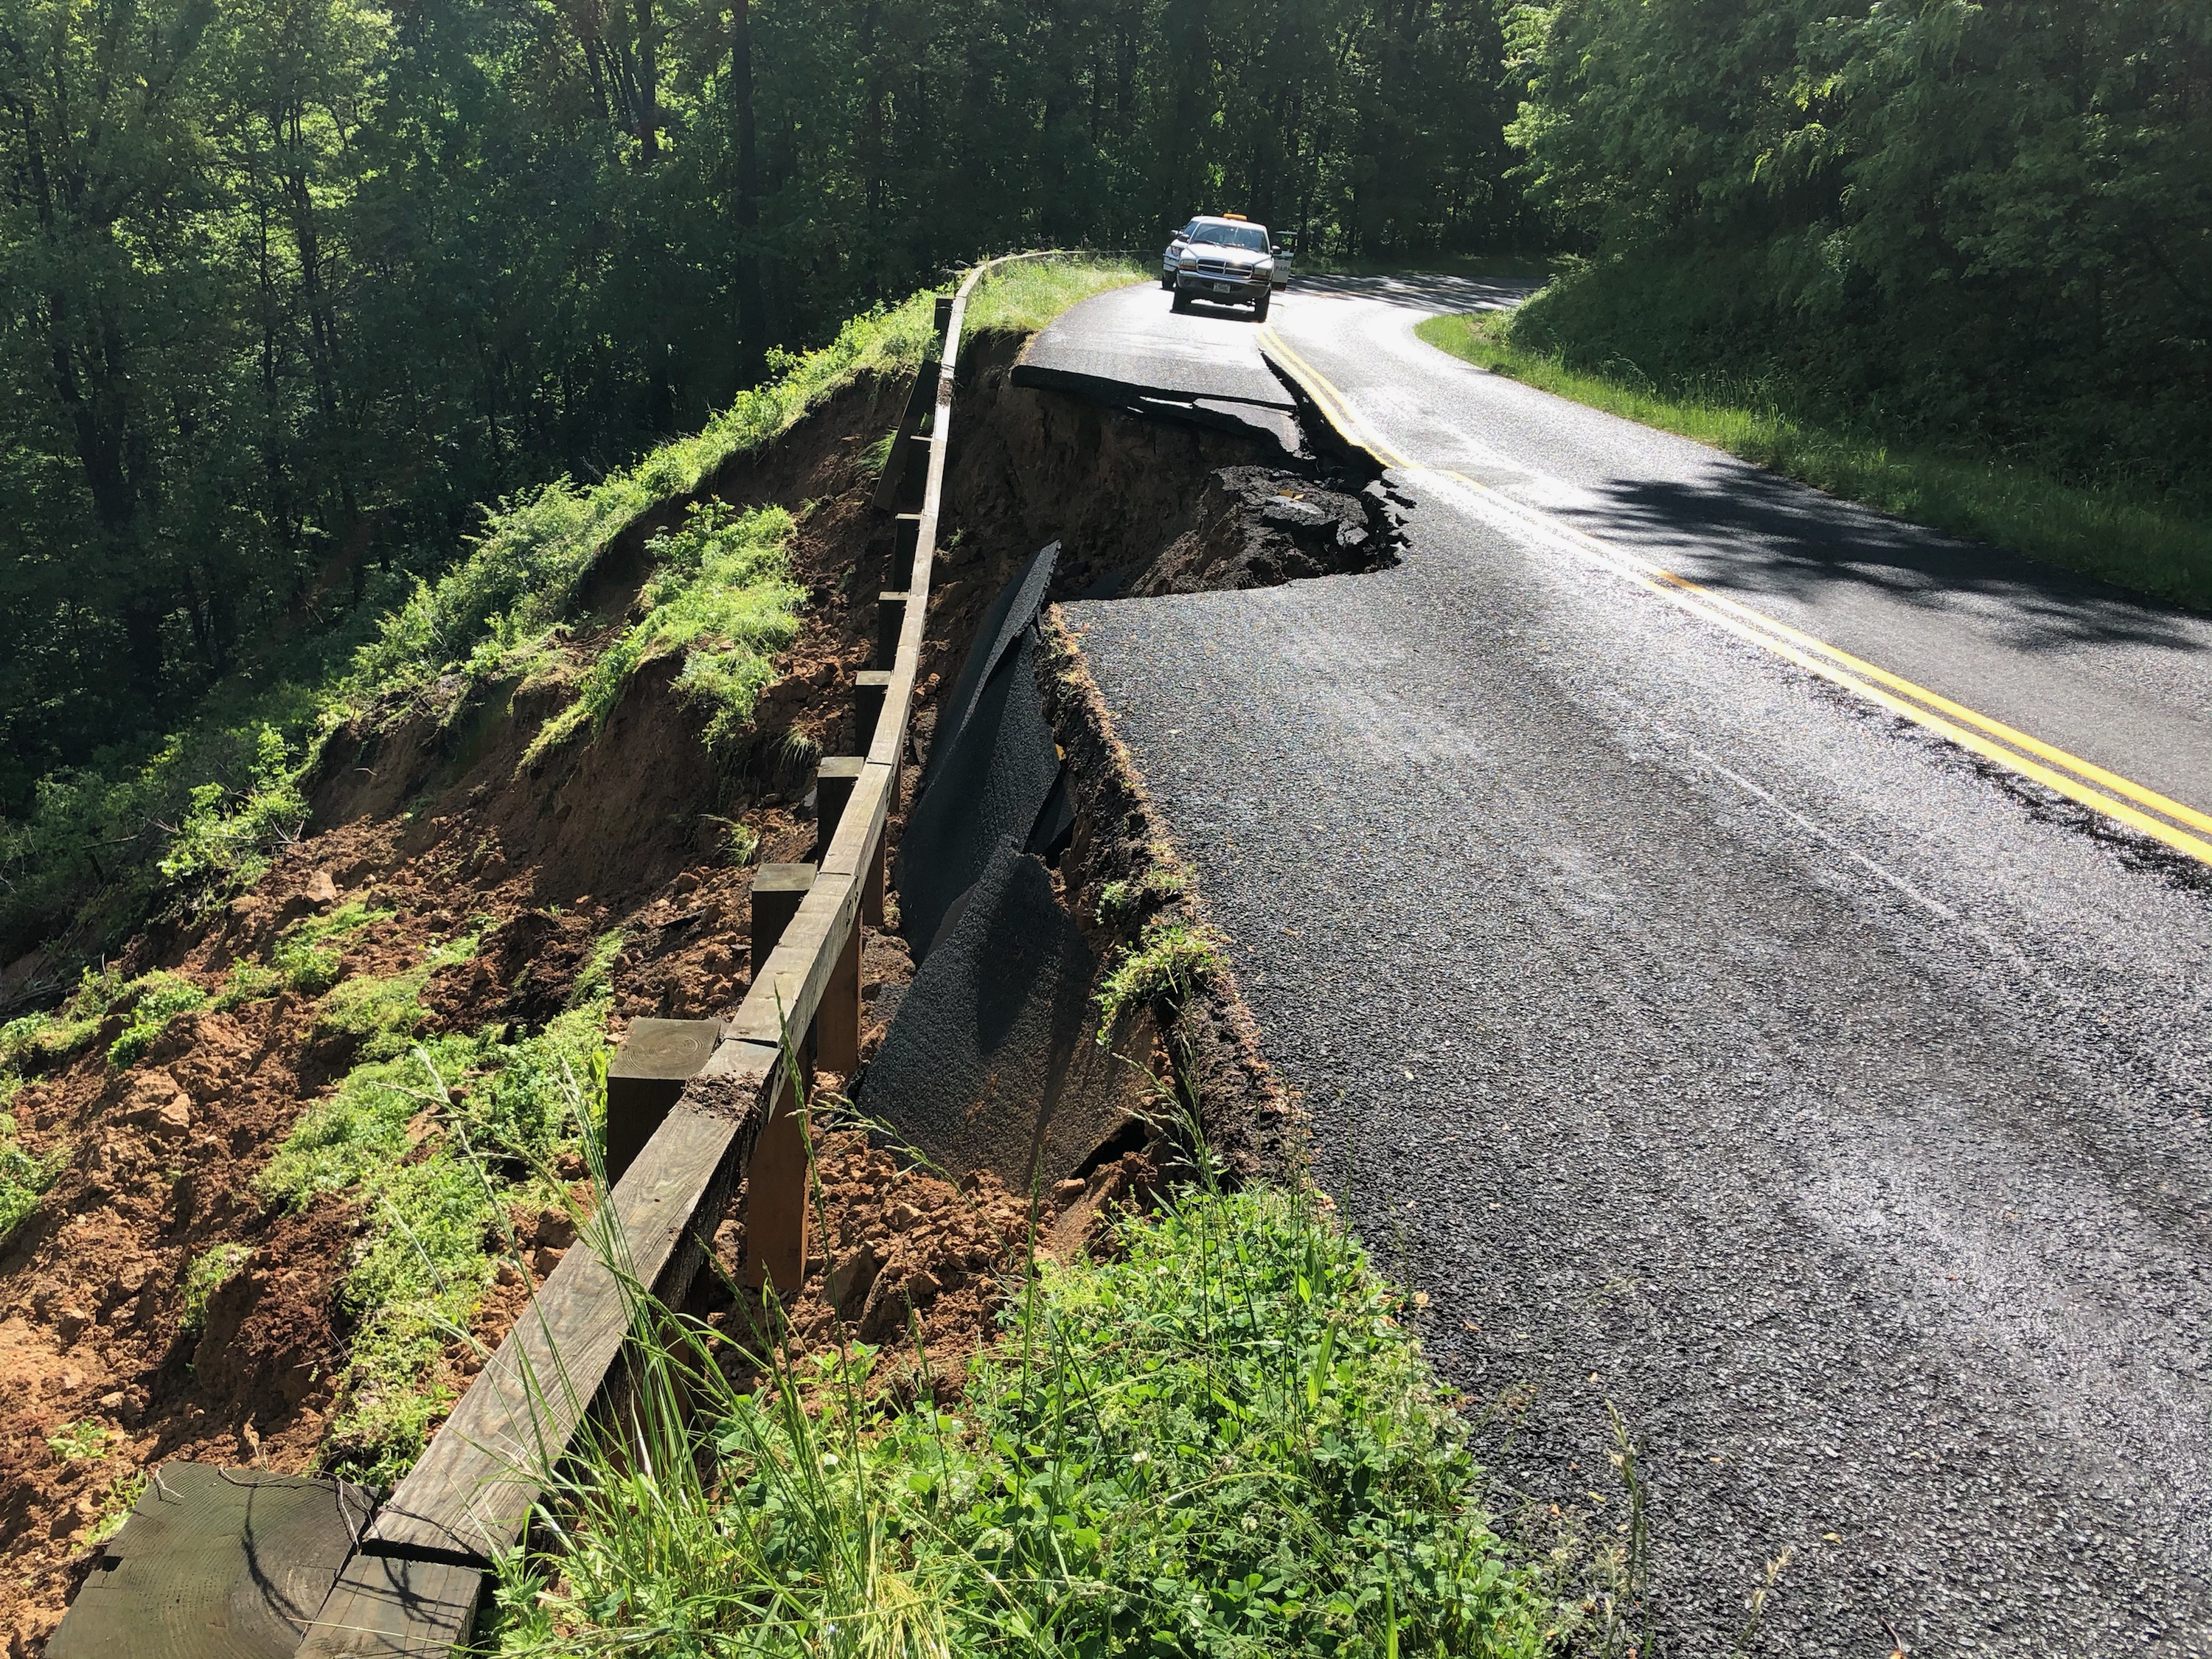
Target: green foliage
x=115, y=1506
x=2120, y=532
x=1162, y=883
x=309, y=952
x=1173, y=957
x=41, y=1040
x=1022, y=296
x=154, y=1000
x=247, y=982
x=720, y=594
x=432, y=1145
x=24, y=1178
x=381, y=1012
x=227, y=836
x=1971, y=231
x=210, y=1270
x=82, y=1442
x=1222, y=1442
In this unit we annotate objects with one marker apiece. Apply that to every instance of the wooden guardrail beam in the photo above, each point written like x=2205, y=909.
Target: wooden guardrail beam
x=413, y=1587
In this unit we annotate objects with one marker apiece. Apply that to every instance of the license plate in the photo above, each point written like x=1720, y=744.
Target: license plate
x=1221, y=288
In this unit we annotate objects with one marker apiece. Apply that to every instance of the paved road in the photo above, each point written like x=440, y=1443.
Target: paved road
x=1709, y=1039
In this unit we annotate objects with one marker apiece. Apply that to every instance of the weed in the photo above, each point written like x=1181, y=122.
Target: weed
x=209, y=1271
x=1172, y=958
x=24, y=1177
x=154, y=1000
x=38, y=1041
x=82, y=1442
x=226, y=836
x=595, y=974
x=115, y=1506
x=308, y=953
x=247, y=982
x=1162, y=883
x=877, y=455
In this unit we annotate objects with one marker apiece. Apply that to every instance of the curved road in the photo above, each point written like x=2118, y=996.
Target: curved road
x=1747, y=959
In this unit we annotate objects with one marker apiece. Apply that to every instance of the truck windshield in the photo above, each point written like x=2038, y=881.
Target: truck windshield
x=1244, y=236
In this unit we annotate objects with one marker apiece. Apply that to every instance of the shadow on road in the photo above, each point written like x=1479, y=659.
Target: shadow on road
x=1426, y=294
x=1746, y=532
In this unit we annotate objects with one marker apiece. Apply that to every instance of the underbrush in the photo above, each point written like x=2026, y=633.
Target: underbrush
x=437, y=1141
x=2120, y=530
x=1219, y=1440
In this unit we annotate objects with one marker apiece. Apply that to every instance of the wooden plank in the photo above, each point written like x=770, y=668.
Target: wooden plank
x=388, y=1608
x=786, y=992
x=468, y=1496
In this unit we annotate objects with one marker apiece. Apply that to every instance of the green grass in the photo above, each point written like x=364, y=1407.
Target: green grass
x=721, y=596
x=1022, y=298
x=154, y=1000
x=381, y=1012
x=308, y=954
x=1172, y=958
x=434, y=1143
x=2119, y=533
x=1223, y=1441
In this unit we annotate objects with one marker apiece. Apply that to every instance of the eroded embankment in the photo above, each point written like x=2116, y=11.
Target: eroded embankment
x=165, y=1300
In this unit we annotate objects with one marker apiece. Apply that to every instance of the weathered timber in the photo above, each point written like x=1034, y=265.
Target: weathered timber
x=868, y=704
x=468, y=1496
x=891, y=622
x=657, y=1058
x=833, y=787
x=385, y=1607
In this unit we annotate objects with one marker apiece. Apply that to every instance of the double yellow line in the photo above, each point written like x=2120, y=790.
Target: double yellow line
x=2121, y=799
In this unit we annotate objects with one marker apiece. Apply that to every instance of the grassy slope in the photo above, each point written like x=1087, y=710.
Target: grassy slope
x=195, y=818
x=2120, y=535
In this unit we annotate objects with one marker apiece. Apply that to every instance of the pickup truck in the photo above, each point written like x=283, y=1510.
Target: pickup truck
x=1227, y=258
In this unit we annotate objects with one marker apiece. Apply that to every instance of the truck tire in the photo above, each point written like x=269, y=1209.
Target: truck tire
x=1181, y=300
x=1167, y=282
x=1259, y=305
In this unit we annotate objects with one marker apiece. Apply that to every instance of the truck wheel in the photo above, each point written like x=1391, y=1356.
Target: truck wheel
x=1259, y=306
x=1168, y=283
x=1181, y=301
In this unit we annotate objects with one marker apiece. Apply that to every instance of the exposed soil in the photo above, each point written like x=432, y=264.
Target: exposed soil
x=429, y=813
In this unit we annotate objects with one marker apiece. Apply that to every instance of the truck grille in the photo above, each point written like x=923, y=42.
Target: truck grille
x=1218, y=268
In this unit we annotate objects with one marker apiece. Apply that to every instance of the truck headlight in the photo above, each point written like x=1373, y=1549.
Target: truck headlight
x=1189, y=262
x=1265, y=268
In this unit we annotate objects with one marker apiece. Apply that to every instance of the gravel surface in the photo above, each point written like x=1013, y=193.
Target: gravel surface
x=1711, y=1045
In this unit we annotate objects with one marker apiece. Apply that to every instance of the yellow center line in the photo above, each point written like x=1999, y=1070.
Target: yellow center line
x=2094, y=787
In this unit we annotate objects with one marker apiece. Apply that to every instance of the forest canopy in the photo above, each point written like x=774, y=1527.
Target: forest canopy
x=287, y=286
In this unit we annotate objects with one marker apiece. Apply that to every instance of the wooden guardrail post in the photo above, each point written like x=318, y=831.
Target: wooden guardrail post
x=657, y=1058
x=891, y=618
x=868, y=688
x=906, y=534
x=775, y=1182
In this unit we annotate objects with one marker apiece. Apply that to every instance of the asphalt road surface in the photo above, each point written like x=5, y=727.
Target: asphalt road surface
x=1722, y=1022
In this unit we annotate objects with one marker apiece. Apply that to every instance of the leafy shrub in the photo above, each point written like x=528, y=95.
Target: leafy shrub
x=154, y=1000
x=84, y=1442
x=24, y=1178
x=227, y=834
x=247, y=982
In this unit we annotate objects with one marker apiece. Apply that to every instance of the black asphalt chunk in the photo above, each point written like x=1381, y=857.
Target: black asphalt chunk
x=990, y=1062
x=989, y=783
x=1014, y=610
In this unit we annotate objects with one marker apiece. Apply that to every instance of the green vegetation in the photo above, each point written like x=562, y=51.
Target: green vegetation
x=84, y=1442
x=210, y=1270
x=1949, y=256
x=1172, y=958
x=1222, y=1442
x=434, y=1145
x=115, y=1506
x=381, y=1012
x=24, y=1178
x=308, y=954
x=1162, y=883
x=2121, y=532
x=1022, y=296
x=722, y=594
x=153, y=1000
